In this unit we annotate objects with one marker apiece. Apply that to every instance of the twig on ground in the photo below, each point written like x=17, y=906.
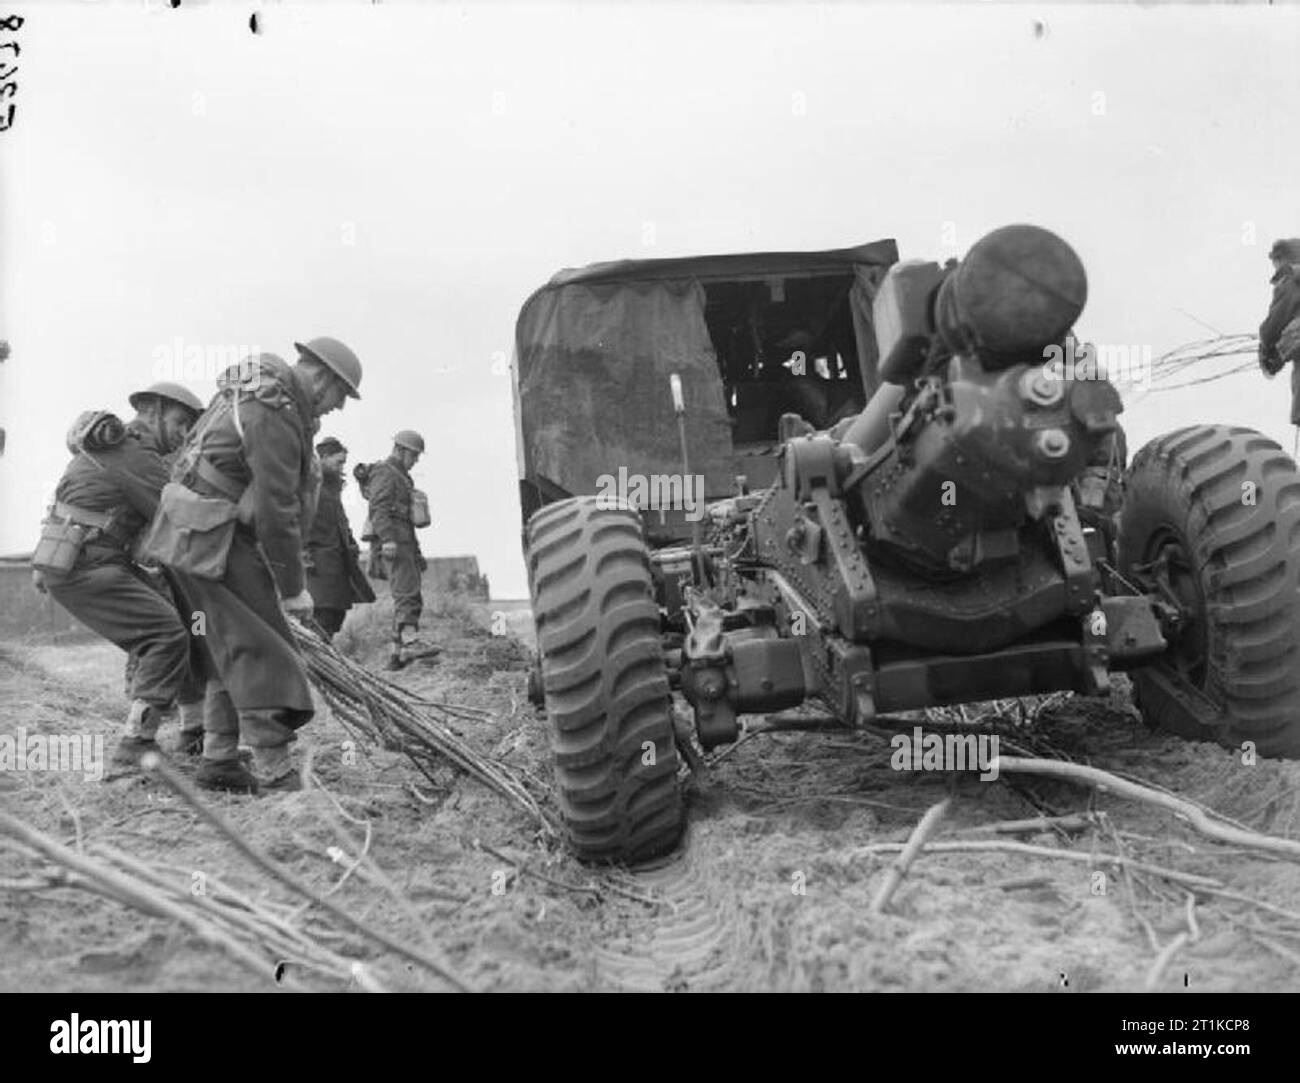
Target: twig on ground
x=1023, y=883
x=59, y=878
x=1129, y=879
x=1192, y=927
x=145, y=811
x=1162, y=961
x=75, y=816
x=523, y=869
x=1221, y=817
x=1105, y=781
x=129, y=890
x=155, y=763
x=1200, y=882
x=1075, y=821
x=286, y=943
x=365, y=849
x=415, y=792
x=1259, y=904
x=746, y=736
x=929, y=822
x=1165, y=954
x=637, y=896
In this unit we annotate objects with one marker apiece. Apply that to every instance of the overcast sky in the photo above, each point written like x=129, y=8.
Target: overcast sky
x=403, y=177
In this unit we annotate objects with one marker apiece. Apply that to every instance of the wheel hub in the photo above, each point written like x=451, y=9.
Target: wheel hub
x=1170, y=568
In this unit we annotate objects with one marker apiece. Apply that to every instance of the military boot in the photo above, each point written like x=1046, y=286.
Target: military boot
x=409, y=646
x=128, y=751
x=142, y=728
x=190, y=740
x=221, y=768
x=228, y=775
x=266, y=731
x=395, y=659
x=275, y=770
x=217, y=713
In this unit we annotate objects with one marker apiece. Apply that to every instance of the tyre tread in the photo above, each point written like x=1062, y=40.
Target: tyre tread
x=604, y=680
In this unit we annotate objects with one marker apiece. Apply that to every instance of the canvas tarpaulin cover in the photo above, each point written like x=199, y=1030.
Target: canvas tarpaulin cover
x=594, y=361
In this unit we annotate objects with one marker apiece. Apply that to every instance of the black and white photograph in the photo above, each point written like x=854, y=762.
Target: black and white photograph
x=593, y=497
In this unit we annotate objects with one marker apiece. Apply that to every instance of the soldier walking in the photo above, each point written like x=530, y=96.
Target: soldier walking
x=1279, y=334
x=391, y=493
x=107, y=495
x=334, y=574
x=230, y=526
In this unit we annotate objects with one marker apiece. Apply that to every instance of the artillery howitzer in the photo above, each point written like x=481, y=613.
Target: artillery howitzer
x=969, y=535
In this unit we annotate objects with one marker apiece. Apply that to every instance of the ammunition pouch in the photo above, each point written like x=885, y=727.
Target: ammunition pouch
x=420, y=516
x=67, y=529
x=59, y=546
x=191, y=533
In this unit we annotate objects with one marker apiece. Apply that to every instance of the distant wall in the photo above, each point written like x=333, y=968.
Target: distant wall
x=26, y=614
x=456, y=573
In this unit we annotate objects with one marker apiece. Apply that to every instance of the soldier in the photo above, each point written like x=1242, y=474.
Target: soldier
x=149, y=404
x=230, y=527
x=107, y=495
x=391, y=492
x=1279, y=334
x=334, y=574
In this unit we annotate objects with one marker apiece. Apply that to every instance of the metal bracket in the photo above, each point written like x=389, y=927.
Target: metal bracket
x=1081, y=578
x=855, y=677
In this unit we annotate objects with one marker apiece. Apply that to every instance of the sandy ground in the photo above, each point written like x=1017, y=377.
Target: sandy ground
x=771, y=890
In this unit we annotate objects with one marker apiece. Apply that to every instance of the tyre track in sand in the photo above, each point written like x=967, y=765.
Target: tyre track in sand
x=690, y=943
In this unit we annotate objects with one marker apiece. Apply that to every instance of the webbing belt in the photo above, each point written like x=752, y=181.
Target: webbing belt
x=227, y=486
x=82, y=516
x=99, y=520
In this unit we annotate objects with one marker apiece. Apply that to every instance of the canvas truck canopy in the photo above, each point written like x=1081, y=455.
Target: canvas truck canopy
x=751, y=336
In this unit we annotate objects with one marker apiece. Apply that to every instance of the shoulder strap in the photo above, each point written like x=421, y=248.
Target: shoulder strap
x=188, y=461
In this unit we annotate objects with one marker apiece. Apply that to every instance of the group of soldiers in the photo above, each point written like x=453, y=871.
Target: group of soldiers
x=188, y=535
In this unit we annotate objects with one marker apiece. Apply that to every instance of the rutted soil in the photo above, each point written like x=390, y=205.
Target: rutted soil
x=771, y=890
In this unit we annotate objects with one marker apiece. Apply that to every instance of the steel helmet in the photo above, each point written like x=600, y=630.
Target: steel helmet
x=165, y=389
x=340, y=360
x=410, y=439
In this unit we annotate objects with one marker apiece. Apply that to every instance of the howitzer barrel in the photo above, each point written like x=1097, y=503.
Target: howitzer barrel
x=870, y=427
x=1018, y=291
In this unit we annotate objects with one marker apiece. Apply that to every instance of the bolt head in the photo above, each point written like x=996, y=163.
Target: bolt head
x=1040, y=389
x=1052, y=444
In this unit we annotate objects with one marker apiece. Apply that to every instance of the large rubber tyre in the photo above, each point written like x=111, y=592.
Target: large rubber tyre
x=1236, y=566
x=604, y=681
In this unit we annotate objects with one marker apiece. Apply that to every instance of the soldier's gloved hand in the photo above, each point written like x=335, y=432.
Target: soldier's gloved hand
x=38, y=580
x=300, y=605
x=389, y=550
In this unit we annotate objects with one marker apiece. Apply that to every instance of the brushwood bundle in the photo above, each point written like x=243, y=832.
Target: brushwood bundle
x=397, y=719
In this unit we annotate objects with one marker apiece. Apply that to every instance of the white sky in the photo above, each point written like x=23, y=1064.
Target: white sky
x=403, y=177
